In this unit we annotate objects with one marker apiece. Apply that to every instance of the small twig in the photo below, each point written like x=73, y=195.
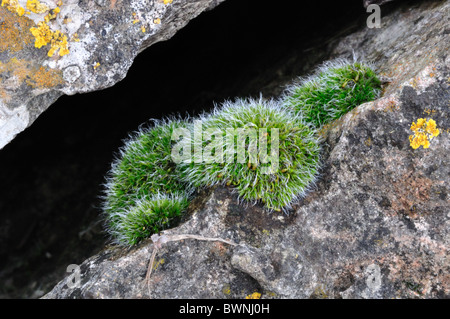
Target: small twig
x=159, y=240
x=150, y=265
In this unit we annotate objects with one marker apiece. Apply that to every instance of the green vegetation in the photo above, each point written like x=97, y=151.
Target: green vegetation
x=267, y=150
x=144, y=177
x=336, y=88
x=293, y=162
x=149, y=216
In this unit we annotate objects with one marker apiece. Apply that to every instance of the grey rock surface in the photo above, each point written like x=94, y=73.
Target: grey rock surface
x=104, y=38
x=375, y=226
x=377, y=2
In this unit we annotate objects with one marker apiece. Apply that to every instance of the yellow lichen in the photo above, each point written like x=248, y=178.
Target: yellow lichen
x=13, y=6
x=157, y=21
x=59, y=42
x=226, y=289
x=319, y=293
x=57, y=39
x=135, y=18
x=75, y=37
x=42, y=34
x=424, y=132
x=255, y=295
x=167, y=1
x=158, y=263
x=52, y=14
x=143, y=29
x=37, y=7
x=96, y=65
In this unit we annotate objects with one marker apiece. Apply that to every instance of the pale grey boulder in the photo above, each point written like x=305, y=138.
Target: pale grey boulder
x=104, y=38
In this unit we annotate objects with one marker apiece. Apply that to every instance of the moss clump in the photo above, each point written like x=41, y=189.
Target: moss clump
x=267, y=150
x=143, y=191
x=147, y=217
x=276, y=174
x=333, y=90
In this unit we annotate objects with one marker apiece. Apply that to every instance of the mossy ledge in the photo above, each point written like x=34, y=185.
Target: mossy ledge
x=148, y=186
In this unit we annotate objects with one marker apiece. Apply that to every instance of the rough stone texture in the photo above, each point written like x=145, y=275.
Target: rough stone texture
x=376, y=226
x=378, y=2
x=30, y=81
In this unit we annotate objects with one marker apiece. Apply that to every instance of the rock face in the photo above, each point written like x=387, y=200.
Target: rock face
x=378, y=2
x=103, y=39
x=376, y=225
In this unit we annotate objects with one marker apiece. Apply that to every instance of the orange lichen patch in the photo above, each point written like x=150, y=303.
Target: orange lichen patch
x=45, y=78
x=14, y=31
x=28, y=72
x=387, y=104
x=429, y=111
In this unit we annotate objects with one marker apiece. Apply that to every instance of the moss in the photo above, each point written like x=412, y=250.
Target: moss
x=148, y=216
x=276, y=176
x=270, y=156
x=333, y=90
x=143, y=193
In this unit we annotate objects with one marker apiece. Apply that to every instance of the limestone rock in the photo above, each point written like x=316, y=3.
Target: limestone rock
x=376, y=225
x=103, y=36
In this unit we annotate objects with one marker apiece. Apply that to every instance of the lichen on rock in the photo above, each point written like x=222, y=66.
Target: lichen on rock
x=61, y=34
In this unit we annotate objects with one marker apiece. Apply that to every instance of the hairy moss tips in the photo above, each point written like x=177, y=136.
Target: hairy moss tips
x=144, y=180
x=337, y=87
x=295, y=153
x=148, y=216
